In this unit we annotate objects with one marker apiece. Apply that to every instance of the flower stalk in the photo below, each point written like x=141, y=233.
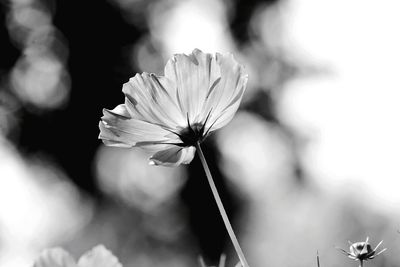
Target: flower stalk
x=221, y=208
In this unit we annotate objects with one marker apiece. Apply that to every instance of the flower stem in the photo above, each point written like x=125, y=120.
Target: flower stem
x=221, y=207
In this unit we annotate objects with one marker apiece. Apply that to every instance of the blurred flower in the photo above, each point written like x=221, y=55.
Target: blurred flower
x=362, y=251
x=169, y=114
x=98, y=256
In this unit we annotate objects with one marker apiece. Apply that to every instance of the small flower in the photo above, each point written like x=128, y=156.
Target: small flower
x=362, y=251
x=168, y=115
x=98, y=256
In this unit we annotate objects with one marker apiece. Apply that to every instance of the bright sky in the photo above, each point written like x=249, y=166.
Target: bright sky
x=192, y=24
x=34, y=199
x=353, y=111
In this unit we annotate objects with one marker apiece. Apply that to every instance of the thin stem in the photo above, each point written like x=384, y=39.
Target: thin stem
x=221, y=207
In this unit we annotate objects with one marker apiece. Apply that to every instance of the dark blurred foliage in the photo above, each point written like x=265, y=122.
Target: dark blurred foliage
x=8, y=52
x=243, y=10
x=99, y=61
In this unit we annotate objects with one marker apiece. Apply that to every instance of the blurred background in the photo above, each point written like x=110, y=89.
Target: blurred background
x=309, y=161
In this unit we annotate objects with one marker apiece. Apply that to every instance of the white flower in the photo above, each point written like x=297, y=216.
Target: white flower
x=362, y=251
x=167, y=115
x=99, y=256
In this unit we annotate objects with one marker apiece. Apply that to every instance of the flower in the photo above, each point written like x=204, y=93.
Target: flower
x=98, y=256
x=362, y=251
x=168, y=115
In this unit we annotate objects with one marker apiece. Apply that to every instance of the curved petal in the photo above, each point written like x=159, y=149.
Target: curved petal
x=121, y=111
x=98, y=256
x=55, y=257
x=119, y=130
x=225, y=97
x=188, y=154
x=228, y=113
x=151, y=98
x=194, y=75
x=173, y=156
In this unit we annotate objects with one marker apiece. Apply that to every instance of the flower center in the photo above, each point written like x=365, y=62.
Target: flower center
x=362, y=250
x=192, y=134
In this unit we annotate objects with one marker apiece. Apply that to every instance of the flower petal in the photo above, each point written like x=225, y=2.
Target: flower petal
x=194, y=75
x=225, y=97
x=99, y=256
x=152, y=98
x=121, y=111
x=227, y=114
x=173, y=156
x=55, y=257
x=121, y=131
x=188, y=154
